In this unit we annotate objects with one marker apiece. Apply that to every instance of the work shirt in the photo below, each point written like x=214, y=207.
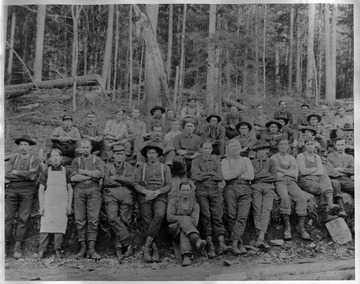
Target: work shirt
x=273, y=139
x=336, y=160
x=123, y=172
x=116, y=128
x=287, y=163
x=232, y=119
x=237, y=170
x=264, y=170
x=153, y=121
x=154, y=178
x=44, y=174
x=93, y=163
x=214, y=133
x=73, y=133
x=175, y=213
x=170, y=137
x=168, y=123
x=93, y=130
x=340, y=121
x=302, y=121
x=189, y=112
x=188, y=142
x=285, y=113
x=247, y=140
x=206, y=170
x=327, y=121
x=136, y=127
x=260, y=120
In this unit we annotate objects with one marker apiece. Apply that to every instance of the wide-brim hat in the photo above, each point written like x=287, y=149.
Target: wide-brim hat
x=261, y=144
x=155, y=108
x=313, y=115
x=25, y=138
x=191, y=99
x=347, y=126
x=308, y=128
x=267, y=124
x=213, y=115
x=154, y=146
x=237, y=126
x=284, y=118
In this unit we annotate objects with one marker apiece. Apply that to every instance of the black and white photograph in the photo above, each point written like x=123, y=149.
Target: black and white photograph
x=179, y=141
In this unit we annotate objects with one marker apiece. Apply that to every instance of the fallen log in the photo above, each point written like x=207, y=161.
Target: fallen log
x=14, y=91
x=234, y=103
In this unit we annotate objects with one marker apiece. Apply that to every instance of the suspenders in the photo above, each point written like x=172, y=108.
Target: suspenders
x=162, y=173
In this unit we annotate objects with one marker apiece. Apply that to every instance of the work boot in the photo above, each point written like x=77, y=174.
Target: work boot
x=331, y=208
x=91, y=253
x=17, y=250
x=119, y=254
x=196, y=241
x=58, y=254
x=211, y=247
x=260, y=243
x=187, y=260
x=129, y=251
x=223, y=248
x=41, y=254
x=287, y=229
x=342, y=213
x=235, y=247
x=155, y=255
x=146, y=249
x=301, y=228
x=242, y=248
x=82, y=251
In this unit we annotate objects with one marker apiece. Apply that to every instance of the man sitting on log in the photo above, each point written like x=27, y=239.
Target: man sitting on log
x=65, y=138
x=246, y=138
x=231, y=120
x=137, y=131
x=272, y=135
x=156, y=118
x=322, y=135
x=215, y=133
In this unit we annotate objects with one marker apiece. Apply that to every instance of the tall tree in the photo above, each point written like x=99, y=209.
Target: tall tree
x=108, y=47
x=170, y=40
x=256, y=48
x=298, y=53
x=12, y=39
x=75, y=10
x=40, y=28
x=332, y=96
x=264, y=51
x=116, y=52
x=210, y=79
x=310, y=53
x=130, y=58
x=182, y=56
x=291, y=43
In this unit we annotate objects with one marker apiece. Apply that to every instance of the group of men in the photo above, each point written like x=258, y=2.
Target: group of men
x=132, y=161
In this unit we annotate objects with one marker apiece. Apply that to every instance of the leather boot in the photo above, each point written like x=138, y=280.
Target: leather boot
x=129, y=251
x=211, y=247
x=223, y=248
x=187, y=260
x=331, y=208
x=119, y=254
x=91, y=253
x=82, y=251
x=342, y=213
x=235, y=247
x=146, y=249
x=301, y=228
x=287, y=229
x=196, y=241
x=155, y=255
x=17, y=250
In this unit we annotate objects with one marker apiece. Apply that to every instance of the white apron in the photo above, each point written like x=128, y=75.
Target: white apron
x=55, y=203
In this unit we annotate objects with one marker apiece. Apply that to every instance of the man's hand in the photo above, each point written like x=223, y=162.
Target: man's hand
x=193, y=156
x=182, y=152
x=15, y=172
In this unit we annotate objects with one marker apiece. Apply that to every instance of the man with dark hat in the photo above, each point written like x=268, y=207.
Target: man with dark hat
x=322, y=135
x=340, y=119
x=190, y=110
x=156, y=118
x=66, y=137
x=152, y=184
x=307, y=132
x=92, y=131
x=283, y=112
x=289, y=132
x=86, y=173
x=246, y=138
x=273, y=135
x=265, y=174
x=119, y=200
x=231, y=120
x=215, y=133
x=21, y=173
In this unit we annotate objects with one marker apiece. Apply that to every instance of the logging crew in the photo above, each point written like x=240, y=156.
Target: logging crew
x=237, y=172
x=86, y=173
x=21, y=172
x=55, y=202
x=119, y=200
x=183, y=217
x=215, y=133
x=206, y=172
x=152, y=184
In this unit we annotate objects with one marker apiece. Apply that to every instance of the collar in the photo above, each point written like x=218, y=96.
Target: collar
x=71, y=127
x=120, y=165
x=54, y=167
x=188, y=135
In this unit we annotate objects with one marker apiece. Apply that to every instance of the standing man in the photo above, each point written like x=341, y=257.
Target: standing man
x=231, y=120
x=206, y=172
x=190, y=110
x=237, y=172
x=119, y=200
x=215, y=133
x=152, y=184
x=21, y=173
x=156, y=118
x=86, y=172
x=283, y=112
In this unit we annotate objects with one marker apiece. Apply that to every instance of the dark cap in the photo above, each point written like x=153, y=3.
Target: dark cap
x=118, y=148
x=67, y=117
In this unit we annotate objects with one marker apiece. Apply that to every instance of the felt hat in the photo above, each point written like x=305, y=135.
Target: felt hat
x=154, y=146
x=67, y=117
x=118, y=148
x=237, y=126
x=313, y=115
x=284, y=118
x=155, y=108
x=25, y=138
x=261, y=144
x=267, y=124
x=213, y=115
x=348, y=126
x=308, y=128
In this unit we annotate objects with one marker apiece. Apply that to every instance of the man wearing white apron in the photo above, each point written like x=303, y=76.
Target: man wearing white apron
x=55, y=199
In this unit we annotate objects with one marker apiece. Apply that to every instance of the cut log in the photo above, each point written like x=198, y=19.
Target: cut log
x=234, y=103
x=14, y=91
x=339, y=231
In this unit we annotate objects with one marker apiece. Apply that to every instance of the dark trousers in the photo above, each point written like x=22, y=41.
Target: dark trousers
x=18, y=200
x=211, y=211
x=152, y=214
x=344, y=184
x=44, y=241
x=237, y=199
x=87, y=204
x=67, y=148
x=180, y=232
x=119, y=203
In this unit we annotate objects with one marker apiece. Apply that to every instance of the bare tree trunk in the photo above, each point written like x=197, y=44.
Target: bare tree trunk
x=310, y=53
x=116, y=51
x=170, y=40
x=320, y=49
x=182, y=57
x=141, y=68
x=264, y=51
x=108, y=46
x=176, y=91
x=40, y=28
x=277, y=64
x=12, y=38
x=298, y=53
x=86, y=42
x=256, y=48
x=332, y=97
x=211, y=58
x=291, y=43
x=131, y=58
x=328, y=71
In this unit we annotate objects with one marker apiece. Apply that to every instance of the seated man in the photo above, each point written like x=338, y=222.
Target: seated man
x=340, y=168
x=348, y=131
x=65, y=138
x=169, y=119
x=237, y=172
x=206, y=172
x=119, y=200
x=183, y=217
x=302, y=120
x=91, y=130
x=137, y=131
x=322, y=135
x=265, y=174
x=191, y=110
x=231, y=120
x=289, y=132
x=327, y=120
x=283, y=112
x=273, y=135
x=246, y=138
x=340, y=119
x=116, y=133
x=175, y=131
x=259, y=120
x=215, y=133
x=156, y=118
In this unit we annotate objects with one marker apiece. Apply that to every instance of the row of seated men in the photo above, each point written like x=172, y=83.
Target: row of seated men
x=247, y=182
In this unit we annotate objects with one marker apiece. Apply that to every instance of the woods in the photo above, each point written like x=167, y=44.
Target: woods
x=220, y=51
